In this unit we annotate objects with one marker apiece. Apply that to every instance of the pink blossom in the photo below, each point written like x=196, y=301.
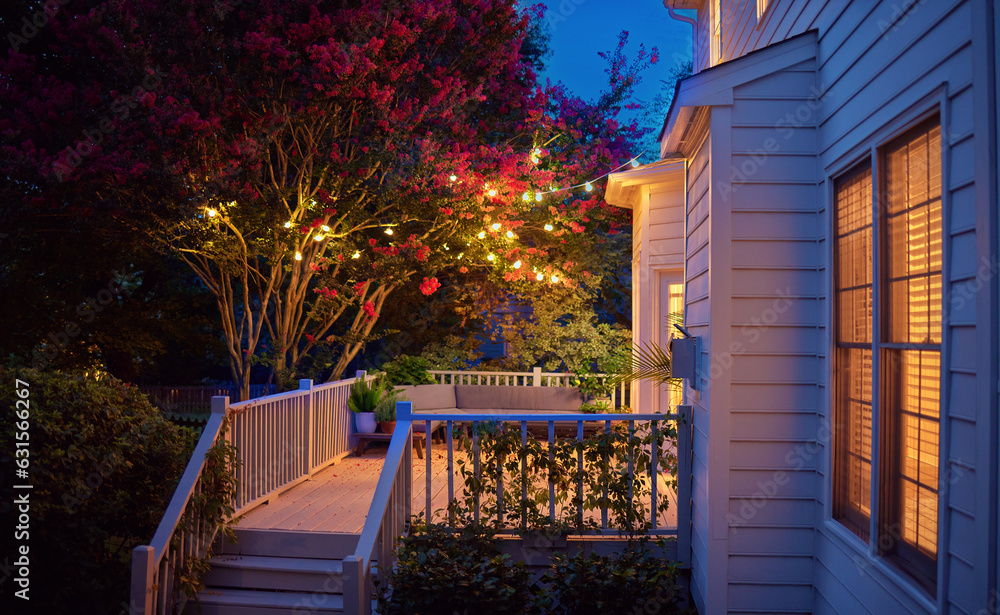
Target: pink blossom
x=429, y=285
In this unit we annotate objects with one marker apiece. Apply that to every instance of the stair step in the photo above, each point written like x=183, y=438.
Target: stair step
x=276, y=573
x=290, y=543
x=247, y=602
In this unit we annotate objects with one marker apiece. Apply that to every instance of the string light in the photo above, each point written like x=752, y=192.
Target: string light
x=356, y=255
x=298, y=256
x=493, y=192
x=481, y=235
x=496, y=226
x=548, y=227
x=634, y=163
x=517, y=265
x=539, y=277
x=388, y=231
x=554, y=279
x=326, y=229
x=526, y=196
x=510, y=234
x=538, y=196
x=453, y=177
x=211, y=212
x=490, y=257
x=589, y=186
x=318, y=238
x=288, y=225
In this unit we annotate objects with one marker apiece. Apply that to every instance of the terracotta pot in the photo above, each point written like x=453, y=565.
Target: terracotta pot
x=364, y=422
x=387, y=426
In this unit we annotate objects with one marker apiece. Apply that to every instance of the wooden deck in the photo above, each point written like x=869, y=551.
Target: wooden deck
x=337, y=498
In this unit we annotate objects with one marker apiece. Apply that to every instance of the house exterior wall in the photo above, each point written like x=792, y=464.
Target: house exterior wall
x=758, y=250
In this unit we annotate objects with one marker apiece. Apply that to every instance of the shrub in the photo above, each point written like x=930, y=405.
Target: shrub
x=103, y=465
x=635, y=581
x=453, y=571
x=407, y=370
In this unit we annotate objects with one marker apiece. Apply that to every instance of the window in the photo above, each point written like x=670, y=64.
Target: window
x=907, y=269
x=716, y=34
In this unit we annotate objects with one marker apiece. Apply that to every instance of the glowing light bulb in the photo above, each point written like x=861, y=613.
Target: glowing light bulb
x=481, y=235
x=453, y=177
x=298, y=256
x=526, y=196
x=539, y=277
x=635, y=163
x=461, y=255
x=538, y=196
x=490, y=257
x=589, y=186
x=517, y=265
x=548, y=227
x=496, y=226
x=211, y=212
x=510, y=234
x=554, y=279
x=356, y=255
x=318, y=238
x=388, y=231
x=326, y=229
x=288, y=225
x=493, y=192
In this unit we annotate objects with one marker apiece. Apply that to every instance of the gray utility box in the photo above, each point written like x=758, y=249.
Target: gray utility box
x=683, y=359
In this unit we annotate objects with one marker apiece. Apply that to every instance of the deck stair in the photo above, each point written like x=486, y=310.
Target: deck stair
x=276, y=571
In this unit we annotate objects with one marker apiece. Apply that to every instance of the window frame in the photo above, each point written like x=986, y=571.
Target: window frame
x=871, y=154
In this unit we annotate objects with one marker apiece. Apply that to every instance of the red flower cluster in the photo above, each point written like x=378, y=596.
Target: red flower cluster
x=429, y=285
x=326, y=292
x=369, y=309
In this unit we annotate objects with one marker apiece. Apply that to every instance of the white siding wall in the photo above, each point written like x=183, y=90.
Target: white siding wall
x=878, y=66
x=776, y=337
x=696, y=295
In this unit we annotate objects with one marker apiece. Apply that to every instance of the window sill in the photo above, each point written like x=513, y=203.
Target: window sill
x=886, y=575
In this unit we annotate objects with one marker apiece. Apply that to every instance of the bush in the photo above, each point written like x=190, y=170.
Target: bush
x=453, y=571
x=103, y=465
x=407, y=370
x=635, y=581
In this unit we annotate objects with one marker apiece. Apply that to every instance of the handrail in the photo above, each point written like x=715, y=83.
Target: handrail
x=387, y=518
x=536, y=377
x=151, y=563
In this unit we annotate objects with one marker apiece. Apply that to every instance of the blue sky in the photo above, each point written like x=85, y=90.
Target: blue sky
x=581, y=28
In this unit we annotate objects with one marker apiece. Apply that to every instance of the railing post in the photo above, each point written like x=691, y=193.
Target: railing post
x=684, y=478
x=141, y=595
x=307, y=425
x=354, y=584
x=536, y=376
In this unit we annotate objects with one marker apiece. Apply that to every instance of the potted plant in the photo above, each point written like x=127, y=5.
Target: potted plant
x=363, y=400
x=385, y=412
x=596, y=391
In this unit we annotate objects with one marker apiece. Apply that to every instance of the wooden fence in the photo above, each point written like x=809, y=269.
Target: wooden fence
x=198, y=399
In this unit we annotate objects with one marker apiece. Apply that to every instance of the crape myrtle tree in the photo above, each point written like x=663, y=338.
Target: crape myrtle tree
x=307, y=159
x=304, y=158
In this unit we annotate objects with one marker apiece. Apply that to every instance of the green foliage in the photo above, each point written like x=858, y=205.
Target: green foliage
x=635, y=581
x=104, y=464
x=591, y=385
x=407, y=370
x=560, y=334
x=385, y=410
x=444, y=571
x=365, y=394
x=452, y=353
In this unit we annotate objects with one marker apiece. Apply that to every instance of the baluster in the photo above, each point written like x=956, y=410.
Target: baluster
x=451, y=473
x=475, y=468
x=604, y=504
x=552, y=460
x=427, y=460
x=524, y=475
x=579, y=467
x=654, y=472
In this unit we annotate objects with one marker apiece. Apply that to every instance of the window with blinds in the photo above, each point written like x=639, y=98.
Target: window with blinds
x=905, y=461
x=853, y=351
x=911, y=346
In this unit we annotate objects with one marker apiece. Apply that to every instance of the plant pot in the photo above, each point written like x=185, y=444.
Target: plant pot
x=364, y=422
x=387, y=426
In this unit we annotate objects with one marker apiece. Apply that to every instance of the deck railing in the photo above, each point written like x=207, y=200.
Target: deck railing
x=620, y=396
x=280, y=439
x=390, y=509
x=387, y=518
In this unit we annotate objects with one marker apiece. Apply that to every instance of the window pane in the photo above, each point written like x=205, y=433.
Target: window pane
x=911, y=312
x=853, y=355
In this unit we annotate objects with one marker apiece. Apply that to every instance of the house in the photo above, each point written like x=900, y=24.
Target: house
x=827, y=198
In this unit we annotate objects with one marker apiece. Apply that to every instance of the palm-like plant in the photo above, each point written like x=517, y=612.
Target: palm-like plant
x=646, y=361
x=365, y=394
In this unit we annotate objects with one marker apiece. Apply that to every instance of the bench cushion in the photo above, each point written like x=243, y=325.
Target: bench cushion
x=430, y=396
x=479, y=397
